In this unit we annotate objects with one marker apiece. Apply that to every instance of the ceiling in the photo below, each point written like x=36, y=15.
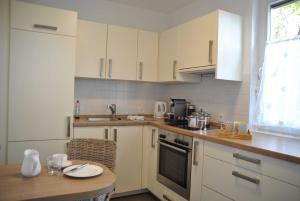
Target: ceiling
x=162, y=6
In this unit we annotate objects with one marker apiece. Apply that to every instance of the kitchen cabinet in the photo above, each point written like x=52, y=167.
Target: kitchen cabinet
x=242, y=183
x=212, y=43
x=91, y=49
x=147, y=56
x=169, y=58
x=149, y=169
x=41, y=79
x=165, y=194
x=121, y=53
x=210, y=195
x=45, y=148
x=129, y=157
x=97, y=132
x=196, y=172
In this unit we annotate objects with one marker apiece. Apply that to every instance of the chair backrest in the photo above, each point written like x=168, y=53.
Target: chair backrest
x=97, y=150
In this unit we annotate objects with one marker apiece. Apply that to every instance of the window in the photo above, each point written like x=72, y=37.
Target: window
x=278, y=99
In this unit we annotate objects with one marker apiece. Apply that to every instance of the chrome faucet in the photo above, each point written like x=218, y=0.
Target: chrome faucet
x=113, y=109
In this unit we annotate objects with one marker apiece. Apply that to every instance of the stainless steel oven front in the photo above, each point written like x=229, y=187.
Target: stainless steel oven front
x=174, y=162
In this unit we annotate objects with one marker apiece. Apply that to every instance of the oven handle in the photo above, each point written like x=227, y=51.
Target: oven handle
x=173, y=147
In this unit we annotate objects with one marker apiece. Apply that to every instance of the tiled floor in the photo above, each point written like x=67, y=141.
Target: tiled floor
x=139, y=197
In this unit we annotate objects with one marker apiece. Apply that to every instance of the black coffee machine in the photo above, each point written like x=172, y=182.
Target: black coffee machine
x=178, y=112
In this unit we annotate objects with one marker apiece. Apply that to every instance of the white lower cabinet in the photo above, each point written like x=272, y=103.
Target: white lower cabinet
x=98, y=132
x=45, y=148
x=196, y=173
x=210, y=195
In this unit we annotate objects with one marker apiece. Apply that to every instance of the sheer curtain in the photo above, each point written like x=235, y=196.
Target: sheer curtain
x=278, y=99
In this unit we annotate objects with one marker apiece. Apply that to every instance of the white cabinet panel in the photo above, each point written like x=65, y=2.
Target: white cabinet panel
x=41, y=86
x=121, y=53
x=91, y=49
x=27, y=16
x=129, y=157
x=197, y=168
x=210, y=195
x=97, y=132
x=45, y=148
x=147, y=56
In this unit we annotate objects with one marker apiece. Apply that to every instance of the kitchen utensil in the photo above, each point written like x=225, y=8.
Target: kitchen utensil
x=64, y=160
x=190, y=109
x=87, y=170
x=31, y=165
x=160, y=108
x=54, y=165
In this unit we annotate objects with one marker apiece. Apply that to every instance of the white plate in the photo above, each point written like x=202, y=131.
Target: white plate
x=87, y=171
x=66, y=164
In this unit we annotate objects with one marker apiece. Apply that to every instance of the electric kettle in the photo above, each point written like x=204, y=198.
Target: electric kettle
x=160, y=108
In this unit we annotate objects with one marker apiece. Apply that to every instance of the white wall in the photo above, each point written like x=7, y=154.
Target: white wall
x=4, y=44
x=111, y=13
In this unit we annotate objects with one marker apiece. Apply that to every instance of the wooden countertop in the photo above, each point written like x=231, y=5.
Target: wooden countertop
x=283, y=148
x=13, y=186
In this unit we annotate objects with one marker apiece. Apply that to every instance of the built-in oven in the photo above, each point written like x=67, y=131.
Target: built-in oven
x=174, y=162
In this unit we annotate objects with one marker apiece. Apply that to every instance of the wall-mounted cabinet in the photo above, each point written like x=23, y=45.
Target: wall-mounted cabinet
x=147, y=56
x=91, y=49
x=212, y=43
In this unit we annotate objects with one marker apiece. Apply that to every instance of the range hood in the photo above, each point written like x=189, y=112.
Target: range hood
x=198, y=70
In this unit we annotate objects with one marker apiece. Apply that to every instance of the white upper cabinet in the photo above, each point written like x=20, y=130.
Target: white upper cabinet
x=169, y=58
x=39, y=18
x=147, y=56
x=91, y=49
x=212, y=42
x=121, y=53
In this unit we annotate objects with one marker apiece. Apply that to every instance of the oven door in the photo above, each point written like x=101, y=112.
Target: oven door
x=174, y=168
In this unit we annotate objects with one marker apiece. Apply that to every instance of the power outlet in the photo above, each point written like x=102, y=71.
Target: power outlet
x=221, y=117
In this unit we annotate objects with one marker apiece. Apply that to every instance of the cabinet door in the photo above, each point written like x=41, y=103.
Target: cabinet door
x=15, y=150
x=33, y=17
x=129, y=157
x=41, y=86
x=196, y=175
x=147, y=56
x=98, y=132
x=168, y=55
x=91, y=49
x=121, y=53
x=149, y=169
x=210, y=195
x=194, y=38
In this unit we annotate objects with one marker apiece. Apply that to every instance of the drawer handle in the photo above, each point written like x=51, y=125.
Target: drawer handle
x=141, y=70
x=152, y=139
x=246, y=158
x=41, y=26
x=166, y=198
x=250, y=179
x=210, y=46
x=109, y=68
x=174, y=69
x=106, y=133
x=115, y=135
x=69, y=119
x=195, y=161
x=101, y=67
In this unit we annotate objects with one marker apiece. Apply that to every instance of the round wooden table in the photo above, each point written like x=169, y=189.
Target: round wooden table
x=13, y=186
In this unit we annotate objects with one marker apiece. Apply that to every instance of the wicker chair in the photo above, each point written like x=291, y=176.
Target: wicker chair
x=97, y=150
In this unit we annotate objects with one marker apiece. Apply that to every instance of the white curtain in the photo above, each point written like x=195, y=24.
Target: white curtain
x=278, y=100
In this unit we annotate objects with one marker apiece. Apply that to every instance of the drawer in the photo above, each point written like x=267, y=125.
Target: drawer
x=210, y=195
x=241, y=184
x=38, y=18
x=98, y=132
x=283, y=170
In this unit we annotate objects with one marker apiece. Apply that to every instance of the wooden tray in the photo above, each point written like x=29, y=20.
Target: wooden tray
x=224, y=134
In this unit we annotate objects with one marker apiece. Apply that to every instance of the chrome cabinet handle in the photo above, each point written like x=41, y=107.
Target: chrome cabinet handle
x=174, y=69
x=195, y=161
x=69, y=119
x=115, y=135
x=152, y=139
x=101, y=67
x=141, y=71
x=106, y=133
x=166, y=198
x=109, y=68
x=210, y=46
x=41, y=26
x=247, y=178
x=246, y=158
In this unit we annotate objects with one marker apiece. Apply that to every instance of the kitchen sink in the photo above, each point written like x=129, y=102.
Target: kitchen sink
x=93, y=119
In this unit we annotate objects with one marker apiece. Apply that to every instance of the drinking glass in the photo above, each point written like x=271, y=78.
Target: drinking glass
x=54, y=165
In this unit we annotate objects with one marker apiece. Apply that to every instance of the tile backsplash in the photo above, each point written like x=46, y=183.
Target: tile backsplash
x=215, y=96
